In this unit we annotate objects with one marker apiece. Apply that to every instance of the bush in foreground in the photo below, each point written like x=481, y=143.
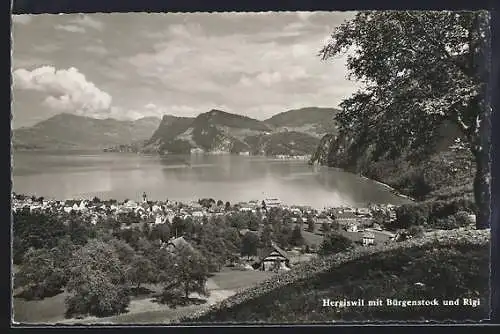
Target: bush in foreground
x=334, y=243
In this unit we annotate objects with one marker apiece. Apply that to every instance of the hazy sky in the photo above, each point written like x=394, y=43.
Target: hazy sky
x=138, y=64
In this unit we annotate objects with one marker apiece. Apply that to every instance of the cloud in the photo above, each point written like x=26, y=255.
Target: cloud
x=67, y=90
x=185, y=64
x=22, y=19
x=96, y=49
x=304, y=16
x=70, y=28
x=88, y=21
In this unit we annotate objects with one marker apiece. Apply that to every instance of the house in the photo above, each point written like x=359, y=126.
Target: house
x=131, y=204
x=368, y=239
x=159, y=219
x=245, y=153
x=344, y=218
x=275, y=259
x=196, y=150
x=352, y=227
x=272, y=202
x=246, y=209
x=363, y=212
x=197, y=214
x=177, y=243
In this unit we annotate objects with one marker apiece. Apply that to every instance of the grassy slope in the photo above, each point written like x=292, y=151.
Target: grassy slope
x=451, y=264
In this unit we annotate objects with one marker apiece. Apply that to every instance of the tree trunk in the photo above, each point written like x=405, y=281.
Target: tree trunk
x=482, y=190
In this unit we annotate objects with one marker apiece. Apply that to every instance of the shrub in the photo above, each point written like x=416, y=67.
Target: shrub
x=411, y=214
x=416, y=231
x=334, y=243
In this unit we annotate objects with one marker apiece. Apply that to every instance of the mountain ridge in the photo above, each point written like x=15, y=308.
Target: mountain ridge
x=69, y=131
x=216, y=131
x=292, y=132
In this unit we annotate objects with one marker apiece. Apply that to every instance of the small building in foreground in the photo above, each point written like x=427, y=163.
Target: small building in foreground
x=275, y=259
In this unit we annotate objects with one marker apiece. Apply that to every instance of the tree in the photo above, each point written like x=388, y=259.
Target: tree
x=228, y=206
x=220, y=203
x=265, y=237
x=420, y=70
x=253, y=222
x=178, y=226
x=123, y=250
x=249, y=244
x=146, y=229
x=310, y=225
x=326, y=227
x=283, y=236
x=162, y=232
x=41, y=274
x=78, y=231
x=141, y=270
x=97, y=281
x=37, y=230
x=297, y=239
x=334, y=243
x=189, y=272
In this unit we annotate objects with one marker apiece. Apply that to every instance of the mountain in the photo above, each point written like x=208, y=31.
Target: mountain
x=283, y=143
x=67, y=131
x=223, y=132
x=294, y=132
x=312, y=120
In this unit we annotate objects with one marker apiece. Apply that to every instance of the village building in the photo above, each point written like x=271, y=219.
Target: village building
x=368, y=239
x=345, y=218
x=274, y=259
x=352, y=227
x=197, y=214
x=175, y=244
x=363, y=212
x=272, y=202
x=159, y=219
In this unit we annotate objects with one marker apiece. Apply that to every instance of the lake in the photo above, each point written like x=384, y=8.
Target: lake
x=68, y=175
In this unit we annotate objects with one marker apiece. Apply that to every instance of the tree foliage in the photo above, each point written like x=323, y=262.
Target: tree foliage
x=420, y=70
x=37, y=230
x=97, y=281
x=297, y=239
x=334, y=243
x=249, y=244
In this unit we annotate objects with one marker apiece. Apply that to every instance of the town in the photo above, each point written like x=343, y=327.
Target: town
x=362, y=225
x=173, y=253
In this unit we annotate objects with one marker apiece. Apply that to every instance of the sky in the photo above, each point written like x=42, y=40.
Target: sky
x=133, y=65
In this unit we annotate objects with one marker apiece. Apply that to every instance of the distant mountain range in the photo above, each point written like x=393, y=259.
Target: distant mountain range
x=67, y=131
x=294, y=132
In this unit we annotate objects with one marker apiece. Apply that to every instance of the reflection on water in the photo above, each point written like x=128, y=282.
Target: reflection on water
x=185, y=178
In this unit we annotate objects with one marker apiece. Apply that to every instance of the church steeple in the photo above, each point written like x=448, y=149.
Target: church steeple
x=144, y=197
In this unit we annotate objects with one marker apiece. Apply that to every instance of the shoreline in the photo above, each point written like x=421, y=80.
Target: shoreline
x=391, y=189
x=380, y=183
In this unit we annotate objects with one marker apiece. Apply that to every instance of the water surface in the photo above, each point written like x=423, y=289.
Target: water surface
x=65, y=175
